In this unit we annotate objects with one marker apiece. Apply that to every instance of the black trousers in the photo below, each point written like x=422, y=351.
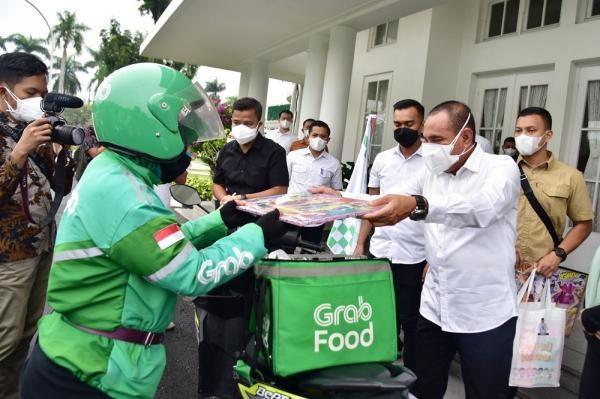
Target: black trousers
x=44, y=379
x=589, y=386
x=485, y=359
x=407, y=287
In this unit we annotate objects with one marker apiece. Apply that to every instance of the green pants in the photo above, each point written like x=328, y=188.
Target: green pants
x=23, y=287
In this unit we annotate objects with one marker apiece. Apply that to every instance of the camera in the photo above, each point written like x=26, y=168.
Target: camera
x=53, y=104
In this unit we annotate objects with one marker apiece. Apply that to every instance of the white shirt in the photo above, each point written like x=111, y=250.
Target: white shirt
x=283, y=139
x=307, y=171
x=484, y=143
x=470, y=234
x=404, y=242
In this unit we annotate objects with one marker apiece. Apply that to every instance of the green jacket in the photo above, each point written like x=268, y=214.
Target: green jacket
x=120, y=260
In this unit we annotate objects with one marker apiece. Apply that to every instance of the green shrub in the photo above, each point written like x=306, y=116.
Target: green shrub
x=203, y=184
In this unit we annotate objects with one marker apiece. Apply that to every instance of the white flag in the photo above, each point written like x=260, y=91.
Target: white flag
x=344, y=233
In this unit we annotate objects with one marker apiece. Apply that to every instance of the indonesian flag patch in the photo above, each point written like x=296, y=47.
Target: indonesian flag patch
x=168, y=236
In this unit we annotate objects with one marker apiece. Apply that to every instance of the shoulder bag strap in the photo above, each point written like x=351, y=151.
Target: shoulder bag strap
x=537, y=207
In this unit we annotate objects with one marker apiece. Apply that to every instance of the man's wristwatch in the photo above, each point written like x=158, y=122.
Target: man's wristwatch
x=420, y=212
x=561, y=253
x=243, y=196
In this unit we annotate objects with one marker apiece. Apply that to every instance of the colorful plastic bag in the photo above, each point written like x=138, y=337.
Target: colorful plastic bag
x=539, y=340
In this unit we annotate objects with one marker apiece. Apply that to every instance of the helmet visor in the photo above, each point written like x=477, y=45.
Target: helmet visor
x=198, y=118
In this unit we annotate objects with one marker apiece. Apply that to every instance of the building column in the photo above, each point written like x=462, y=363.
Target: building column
x=259, y=82
x=244, y=82
x=314, y=74
x=336, y=85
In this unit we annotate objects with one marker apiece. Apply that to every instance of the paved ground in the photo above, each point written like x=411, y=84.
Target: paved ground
x=181, y=375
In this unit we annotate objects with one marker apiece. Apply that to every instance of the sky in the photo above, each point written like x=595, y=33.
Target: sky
x=20, y=17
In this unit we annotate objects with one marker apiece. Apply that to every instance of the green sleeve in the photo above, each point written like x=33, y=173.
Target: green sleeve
x=204, y=231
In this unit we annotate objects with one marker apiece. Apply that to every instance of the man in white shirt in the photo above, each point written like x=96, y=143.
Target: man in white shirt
x=484, y=143
x=283, y=135
x=468, y=200
x=403, y=243
x=313, y=167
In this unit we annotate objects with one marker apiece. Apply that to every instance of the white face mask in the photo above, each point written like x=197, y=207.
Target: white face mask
x=511, y=152
x=27, y=110
x=284, y=124
x=243, y=134
x=317, y=144
x=438, y=158
x=528, y=145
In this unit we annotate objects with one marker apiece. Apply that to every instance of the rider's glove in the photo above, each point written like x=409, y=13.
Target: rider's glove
x=271, y=226
x=232, y=217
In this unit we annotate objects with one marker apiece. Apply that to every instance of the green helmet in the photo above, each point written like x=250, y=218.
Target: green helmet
x=153, y=111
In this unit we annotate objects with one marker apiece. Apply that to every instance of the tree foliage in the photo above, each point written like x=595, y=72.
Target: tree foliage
x=78, y=116
x=28, y=44
x=68, y=32
x=71, y=82
x=213, y=88
x=153, y=7
x=117, y=49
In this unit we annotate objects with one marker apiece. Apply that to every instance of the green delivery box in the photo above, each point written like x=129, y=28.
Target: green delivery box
x=316, y=314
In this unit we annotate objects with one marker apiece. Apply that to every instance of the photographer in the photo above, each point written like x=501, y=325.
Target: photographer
x=26, y=167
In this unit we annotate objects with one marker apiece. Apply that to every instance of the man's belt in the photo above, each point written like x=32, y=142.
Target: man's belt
x=126, y=334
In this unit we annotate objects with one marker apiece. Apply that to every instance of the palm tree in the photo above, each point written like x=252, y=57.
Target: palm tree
x=28, y=44
x=93, y=63
x=66, y=33
x=71, y=82
x=213, y=88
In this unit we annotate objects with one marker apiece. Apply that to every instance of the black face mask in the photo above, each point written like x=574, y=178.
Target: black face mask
x=406, y=136
x=170, y=171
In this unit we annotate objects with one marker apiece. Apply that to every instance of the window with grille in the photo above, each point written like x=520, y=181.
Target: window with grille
x=593, y=8
x=533, y=96
x=503, y=17
x=376, y=102
x=492, y=118
x=384, y=34
x=543, y=13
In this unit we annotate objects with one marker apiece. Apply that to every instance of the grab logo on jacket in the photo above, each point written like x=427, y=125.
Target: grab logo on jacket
x=230, y=266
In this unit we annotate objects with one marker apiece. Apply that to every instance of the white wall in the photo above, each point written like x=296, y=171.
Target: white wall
x=405, y=59
x=559, y=47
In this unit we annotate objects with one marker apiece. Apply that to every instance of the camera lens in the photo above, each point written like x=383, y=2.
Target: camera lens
x=65, y=134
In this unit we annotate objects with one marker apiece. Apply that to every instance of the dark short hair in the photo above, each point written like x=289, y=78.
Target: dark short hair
x=509, y=140
x=248, y=103
x=286, y=111
x=410, y=103
x=17, y=65
x=320, y=124
x=457, y=115
x=311, y=120
x=542, y=112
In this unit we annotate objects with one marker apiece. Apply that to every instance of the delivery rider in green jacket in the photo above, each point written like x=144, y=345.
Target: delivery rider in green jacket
x=121, y=258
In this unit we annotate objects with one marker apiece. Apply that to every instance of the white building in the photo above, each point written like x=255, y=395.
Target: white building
x=355, y=57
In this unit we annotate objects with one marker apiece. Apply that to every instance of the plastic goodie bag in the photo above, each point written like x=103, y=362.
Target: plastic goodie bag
x=315, y=314
x=539, y=340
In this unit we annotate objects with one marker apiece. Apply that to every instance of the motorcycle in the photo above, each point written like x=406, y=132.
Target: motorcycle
x=230, y=313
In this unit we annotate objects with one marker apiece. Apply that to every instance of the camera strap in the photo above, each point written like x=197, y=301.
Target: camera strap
x=59, y=186
x=25, y=193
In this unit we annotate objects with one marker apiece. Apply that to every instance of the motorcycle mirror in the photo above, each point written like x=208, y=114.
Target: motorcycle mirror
x=186, y=195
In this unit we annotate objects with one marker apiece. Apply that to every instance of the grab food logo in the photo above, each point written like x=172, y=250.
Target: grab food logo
x=326, y=316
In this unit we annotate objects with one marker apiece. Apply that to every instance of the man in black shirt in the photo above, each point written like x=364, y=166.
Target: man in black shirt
x=250, y=166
